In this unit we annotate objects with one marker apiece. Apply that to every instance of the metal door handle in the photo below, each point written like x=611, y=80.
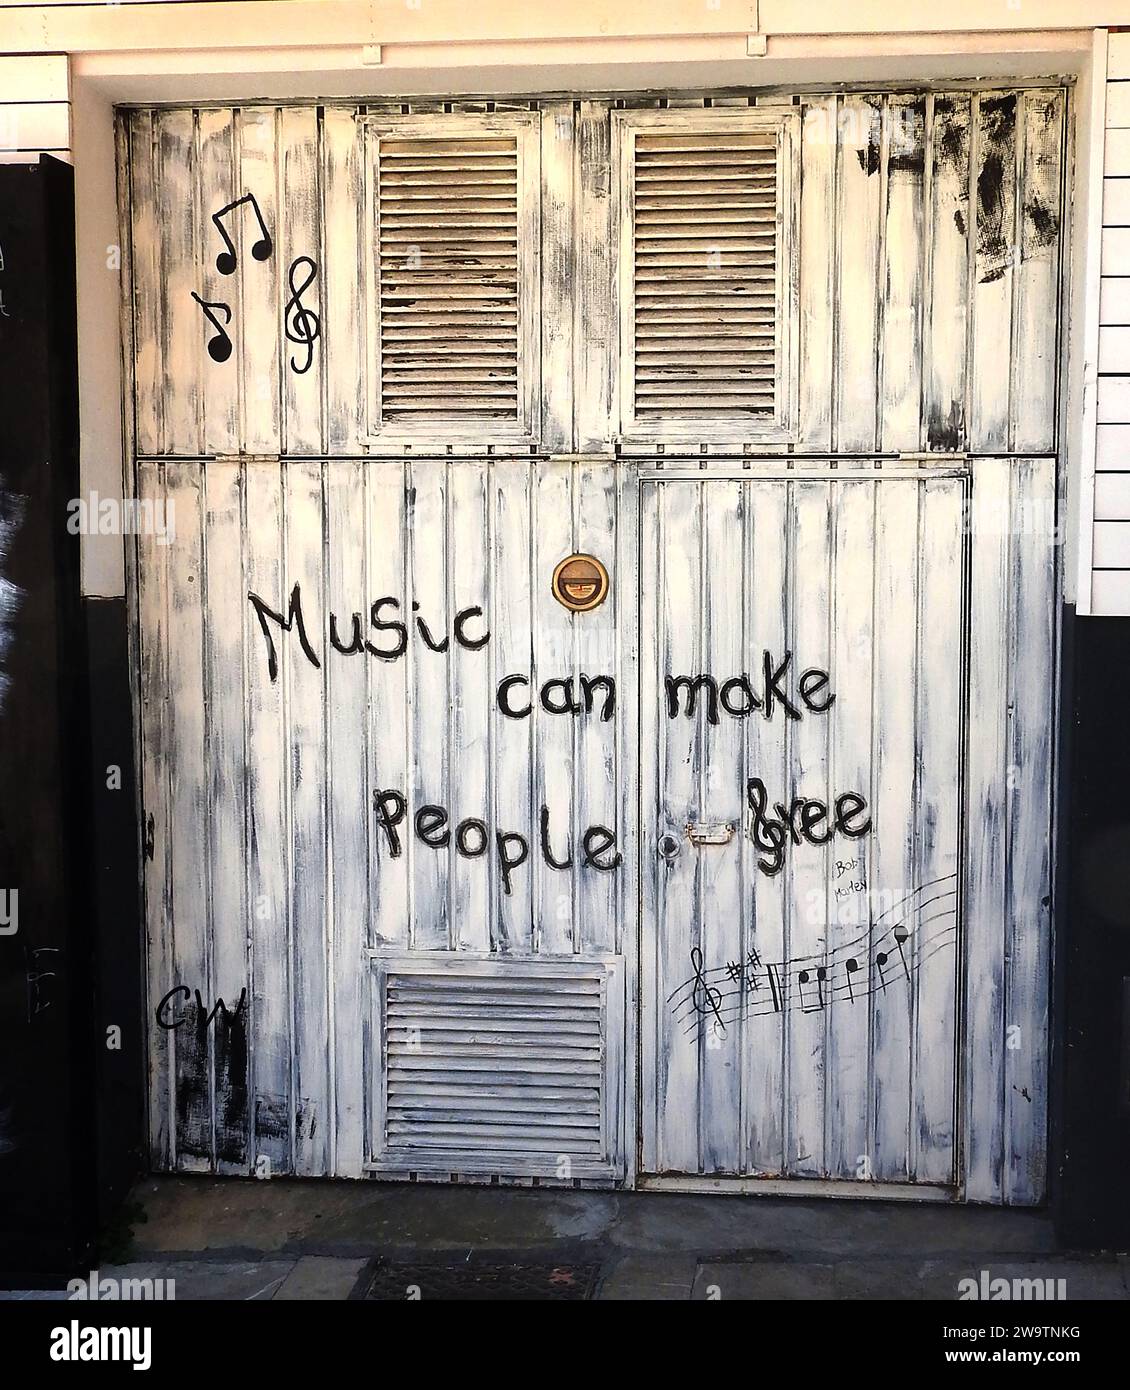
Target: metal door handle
x=711, y=832
x=668, y=847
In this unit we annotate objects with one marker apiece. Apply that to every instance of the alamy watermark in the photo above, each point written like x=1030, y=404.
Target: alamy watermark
x=986, y=1288
x=103, y=1288
x=94, y=515
x=863, y=126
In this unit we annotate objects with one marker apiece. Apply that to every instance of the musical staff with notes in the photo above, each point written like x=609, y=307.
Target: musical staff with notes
x=870, y=963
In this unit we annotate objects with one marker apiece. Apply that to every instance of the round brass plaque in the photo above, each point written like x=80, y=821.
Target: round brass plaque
x=580, y=582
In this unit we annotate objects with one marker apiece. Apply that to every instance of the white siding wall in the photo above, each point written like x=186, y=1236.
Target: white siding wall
x=35, y=108
x=1110, y=592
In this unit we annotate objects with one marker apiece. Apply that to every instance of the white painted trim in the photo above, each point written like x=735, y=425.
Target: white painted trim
x=86, y=27
x=1081, y=339
x=34, y=79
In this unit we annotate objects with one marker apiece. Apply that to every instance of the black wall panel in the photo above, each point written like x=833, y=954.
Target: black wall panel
x=62, y=1111
x=1091, y=1021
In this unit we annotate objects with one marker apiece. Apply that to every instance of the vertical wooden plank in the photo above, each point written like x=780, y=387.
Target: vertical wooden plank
x=152, y=579
x=256, y=285
x=595, y=762
x=594, y=328
x=558, y=270
x=349, y=811
x=817, y=282
x=901, y=382
x=932, y=919
x=893, y=816
x=430, y=867
x=1036, y=366
x=388, y=600
x=307, y=771
x=994, y=266
x=655, y=1023
x=985, y=888
x=474, y=883
x=554, y=895
x=219, y=380
x=858, y=228
x=1031, y=761
x=719, y=866
x=227, y=847
x=145, y=254
x=766, y=581
x=806, y=869
x=189, y=816
x=849, y=770
x=947, y=303
x=344, y=321
x=632, y=842
x=182, y=324
x=268, y=887
x=301, y=267
x=510, y=654
x=683, y=1040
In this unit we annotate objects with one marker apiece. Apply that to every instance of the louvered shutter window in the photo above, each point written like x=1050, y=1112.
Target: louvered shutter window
x=456, y=204
x=708, y=304
x=497, y=1067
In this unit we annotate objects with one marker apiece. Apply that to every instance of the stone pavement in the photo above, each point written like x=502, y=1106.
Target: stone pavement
x=281, y=1239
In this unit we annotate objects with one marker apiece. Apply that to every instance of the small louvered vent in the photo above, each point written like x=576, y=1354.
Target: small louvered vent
x=705, y=274
x=496, y=1067
x=449, y=291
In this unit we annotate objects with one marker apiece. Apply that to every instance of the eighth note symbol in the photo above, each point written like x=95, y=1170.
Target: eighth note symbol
x=226, y=260
x=304, y=327
x=219, y=347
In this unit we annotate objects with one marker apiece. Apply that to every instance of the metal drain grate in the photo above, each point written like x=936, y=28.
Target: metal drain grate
x=481, y=1280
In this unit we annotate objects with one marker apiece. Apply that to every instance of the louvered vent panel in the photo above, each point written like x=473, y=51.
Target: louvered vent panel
x=448, y=220
x=507, y=1064
x=705, y=274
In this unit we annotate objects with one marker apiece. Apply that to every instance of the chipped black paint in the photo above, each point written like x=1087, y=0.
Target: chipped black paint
x=945, y=429
x=232, y=1118
x=907, y=147
x=272, y=1117
x=952, y=136
x=193, y=1105
x=1041, y=222
x=995, y=180
x=870, y=157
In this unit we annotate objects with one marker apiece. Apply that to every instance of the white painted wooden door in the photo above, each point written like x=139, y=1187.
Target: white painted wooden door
x=803, y=651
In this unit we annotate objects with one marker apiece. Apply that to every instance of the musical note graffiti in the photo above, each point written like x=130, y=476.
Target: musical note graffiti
x=302, y=325
x=219, y=346
x=227, y=261
x=705, y=996
x=872, y=962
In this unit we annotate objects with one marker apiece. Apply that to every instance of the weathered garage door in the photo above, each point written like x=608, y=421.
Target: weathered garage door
x=390, y=366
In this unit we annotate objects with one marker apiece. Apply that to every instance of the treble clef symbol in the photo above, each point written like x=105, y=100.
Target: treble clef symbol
x=302, y=324
x=705, y=995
